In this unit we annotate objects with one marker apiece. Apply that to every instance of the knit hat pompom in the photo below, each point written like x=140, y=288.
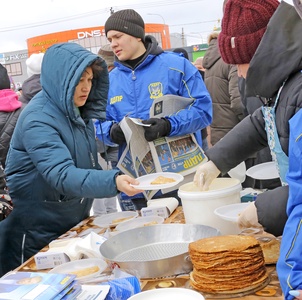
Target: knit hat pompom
x=243, y=25
x=127, y=21
x=34, y=63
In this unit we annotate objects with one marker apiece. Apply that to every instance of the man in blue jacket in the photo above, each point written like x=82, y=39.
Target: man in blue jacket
x=145, y=72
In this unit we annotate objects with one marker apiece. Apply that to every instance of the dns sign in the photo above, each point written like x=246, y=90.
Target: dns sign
x=88, y=34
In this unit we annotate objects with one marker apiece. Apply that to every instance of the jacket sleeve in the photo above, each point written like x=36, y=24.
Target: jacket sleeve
x=290, y=259
x=53, y=159
x=243, y=141
x=199, y=114
x=271, y=209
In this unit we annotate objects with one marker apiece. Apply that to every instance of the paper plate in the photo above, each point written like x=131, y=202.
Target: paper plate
x=168, y=293
x=231, y=212
x=263, y=171
x=140, y=222
x=84, y=268
x=145, y=181
x=113, y=219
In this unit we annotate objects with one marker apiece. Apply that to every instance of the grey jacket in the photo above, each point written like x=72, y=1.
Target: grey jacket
x=221, y=80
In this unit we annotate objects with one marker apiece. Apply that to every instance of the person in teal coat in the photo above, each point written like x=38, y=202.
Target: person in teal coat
x=52, y=169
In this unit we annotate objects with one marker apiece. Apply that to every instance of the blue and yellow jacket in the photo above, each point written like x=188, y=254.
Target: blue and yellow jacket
x=132, y=91
x=289, y=265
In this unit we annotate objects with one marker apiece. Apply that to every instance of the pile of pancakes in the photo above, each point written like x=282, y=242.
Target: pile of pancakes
x=227, y=264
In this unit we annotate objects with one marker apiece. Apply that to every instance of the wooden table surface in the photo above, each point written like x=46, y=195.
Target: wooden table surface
x=271, y=290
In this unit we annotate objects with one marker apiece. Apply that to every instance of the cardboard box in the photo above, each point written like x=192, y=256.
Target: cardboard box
x=50, y=259
x=161, y=211
x=162, y=207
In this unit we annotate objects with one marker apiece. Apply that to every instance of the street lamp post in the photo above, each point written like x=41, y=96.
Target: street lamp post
x=164, y=22
x=201, y=37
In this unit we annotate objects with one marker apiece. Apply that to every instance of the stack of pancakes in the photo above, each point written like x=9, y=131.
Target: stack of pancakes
x=227, y=264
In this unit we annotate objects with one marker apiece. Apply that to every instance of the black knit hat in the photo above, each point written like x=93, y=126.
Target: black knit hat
x=4, y=79
x=127, y=21
x=183, y=51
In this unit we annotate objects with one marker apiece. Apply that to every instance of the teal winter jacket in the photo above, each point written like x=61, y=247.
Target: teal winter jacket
x=52, y=169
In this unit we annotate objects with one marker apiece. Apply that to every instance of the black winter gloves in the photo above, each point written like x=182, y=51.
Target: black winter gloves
x=117, y=134
x=159, y=128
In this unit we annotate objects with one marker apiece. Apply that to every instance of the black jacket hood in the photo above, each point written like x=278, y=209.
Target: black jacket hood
x=278, y=55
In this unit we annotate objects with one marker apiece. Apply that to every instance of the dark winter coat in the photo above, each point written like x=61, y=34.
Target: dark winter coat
x=278, y=57
x=30, y=87
x=10, y=109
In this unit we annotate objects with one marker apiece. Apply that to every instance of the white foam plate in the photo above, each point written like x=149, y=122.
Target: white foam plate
x=168, y=293
x=231, y=212
x=139, y=222
x=106, y=220
x=263, y=171
x=77, y=265
x=145, y=181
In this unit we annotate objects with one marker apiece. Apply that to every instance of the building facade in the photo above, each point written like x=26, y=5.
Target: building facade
x=91, y=38
x=15, y=64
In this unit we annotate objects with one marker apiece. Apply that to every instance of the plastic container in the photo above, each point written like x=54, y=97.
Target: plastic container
x=140, y=222
x=199, y=206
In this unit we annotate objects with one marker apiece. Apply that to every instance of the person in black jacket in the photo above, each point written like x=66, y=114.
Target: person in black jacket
x=262, y=38
x=10, y=108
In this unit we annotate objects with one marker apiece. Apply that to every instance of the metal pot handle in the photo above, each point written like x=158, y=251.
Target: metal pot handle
x=187, y=258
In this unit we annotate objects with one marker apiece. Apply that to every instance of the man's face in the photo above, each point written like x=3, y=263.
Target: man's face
x=242, y=70
x=125, y=46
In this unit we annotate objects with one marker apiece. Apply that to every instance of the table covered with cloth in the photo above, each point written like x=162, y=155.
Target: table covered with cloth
x=270, y=291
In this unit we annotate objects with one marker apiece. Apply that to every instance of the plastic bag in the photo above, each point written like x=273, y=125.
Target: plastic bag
x=122, y=286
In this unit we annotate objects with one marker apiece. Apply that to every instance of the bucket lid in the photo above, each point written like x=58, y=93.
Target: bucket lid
x=217, y=187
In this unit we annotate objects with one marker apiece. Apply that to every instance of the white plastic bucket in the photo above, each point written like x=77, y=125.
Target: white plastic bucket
x=199, y=206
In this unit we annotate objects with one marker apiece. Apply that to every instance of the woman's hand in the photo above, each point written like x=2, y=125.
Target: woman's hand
x=123, y=185
x=205, y=174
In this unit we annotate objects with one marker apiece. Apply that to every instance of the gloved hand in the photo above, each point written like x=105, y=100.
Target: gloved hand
x=117, y=134
x=159, y=128
x=205, y=174
x=248, y=217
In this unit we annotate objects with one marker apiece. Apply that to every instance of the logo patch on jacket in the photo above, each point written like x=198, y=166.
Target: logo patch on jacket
x=155, y=90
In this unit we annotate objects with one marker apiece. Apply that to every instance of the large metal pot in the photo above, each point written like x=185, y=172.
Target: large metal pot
x=155, y=251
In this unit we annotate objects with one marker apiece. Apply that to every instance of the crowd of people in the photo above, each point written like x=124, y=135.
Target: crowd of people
x=246, y=97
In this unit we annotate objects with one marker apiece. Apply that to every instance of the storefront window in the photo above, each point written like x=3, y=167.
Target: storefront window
x=14, y=69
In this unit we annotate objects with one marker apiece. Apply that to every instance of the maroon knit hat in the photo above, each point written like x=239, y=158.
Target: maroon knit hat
x=243, y=25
